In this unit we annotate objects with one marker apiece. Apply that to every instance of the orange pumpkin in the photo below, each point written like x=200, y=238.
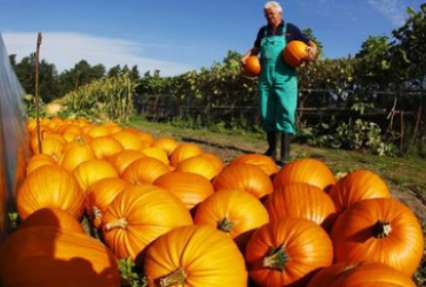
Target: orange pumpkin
x=165, y=143
x=190, y=188
x=129, y=140
x=206, y=164
x=49, y=186
x=38, y=161
x=234, y=212
x=311, y=171
x=379, y=230
x=76, y=154
x=97, y=131
x=145, y=170
x=157, y=153
x=123, y=159
x=246, y=177
x=264, y=162
x=45, y=257
x=252, y=66
x=184, y=151
x=357, y=186
x=197, y=256
x=100, y=195
x=360, y=274
x=92, y=171
x=53, y=217
x=301, y=200
x=146, y=138
x=138, y=216
x=287, y=252
x=295, y=53
x=52, y=145
x=105, y=147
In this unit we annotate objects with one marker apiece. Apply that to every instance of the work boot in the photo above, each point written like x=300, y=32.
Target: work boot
x=285, y=148
x=272, y=142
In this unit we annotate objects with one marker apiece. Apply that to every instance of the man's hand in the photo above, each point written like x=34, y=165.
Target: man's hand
x=312, y=51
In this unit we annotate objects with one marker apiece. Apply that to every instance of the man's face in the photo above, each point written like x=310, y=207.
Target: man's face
x=273, y=16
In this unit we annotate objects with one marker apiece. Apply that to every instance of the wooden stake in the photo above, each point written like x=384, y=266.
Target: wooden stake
x=37, y=92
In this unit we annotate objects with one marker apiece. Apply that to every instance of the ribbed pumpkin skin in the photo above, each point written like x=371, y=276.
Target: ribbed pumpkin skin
x=206, y=256
x=157, y=153
x=129, y=140
x=295, y=53
x=355, y=235
x=190, y=188
x=165, y=143
x=105, y=147
x=205, y=164
x=76, y=155
x=357, y=186
x=301, y=200
x=92, y=171
x=241, y=209
x=125, y=158
x=38, y=161
x=148, y=212
x=184, y=151
x=100, y=195
x=311, y=171
x=53, y=217
x=97, y=131
x=51, y=145
x=44, y=257
x=264, y=162
x=360, y=275
x=246, y=177
x=50, y=186
x=145, y=170
x=306, y=244
x=252, y=66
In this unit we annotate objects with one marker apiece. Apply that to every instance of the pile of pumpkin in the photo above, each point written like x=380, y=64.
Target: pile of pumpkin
x=190, y=220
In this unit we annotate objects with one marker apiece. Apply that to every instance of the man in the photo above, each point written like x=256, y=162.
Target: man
x=277, y=81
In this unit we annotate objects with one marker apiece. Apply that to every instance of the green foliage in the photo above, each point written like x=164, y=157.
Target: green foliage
x=30, y=107
x=130, y=276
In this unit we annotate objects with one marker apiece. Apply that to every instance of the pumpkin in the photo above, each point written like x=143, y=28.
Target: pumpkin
x=53, y=217
x=252, y=66
x=38, y=161
x=51, y=145
x=145, y=170
x=157, y=153
x=97, y=131
x=301, y=200
x=197, y=256
x=311, y=171
x=123, y=159
x=45, y=257
x=246, y=177
x=206, y=164
x=295, y=53
x=234, y=212
x=128, y=140
x=75, y=155
x=104, y=147
x=287, y=252
x=92, y=171
x=184, y=151
x=190, y=188
x=146, y=138
x=356, y=186
x=264, y=162
x=138, y=216
x=360, y=274
x=165, y=143
x=49, y=186
x=100, y=195
x=379, y=230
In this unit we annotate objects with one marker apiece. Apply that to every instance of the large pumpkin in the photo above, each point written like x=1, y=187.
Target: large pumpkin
x=357, y=186
x=129, y=140
x=252, y=66
x=138, y=216
x=301, y=200
x=379, y=230
x=190, y=188
x=92, y=171
x=53, y=217
x=287, y=252
x=123, y=159
x=49, y=186
x=359, y=275
x=197, y=256
x=38, y=161
x=100, y=195
x=157, y=153
x=51, y=144
x=234, y=212
x=184, y=151
x=264, y=162
x=311, y=171
x=295, y=53
x=206, y=164
x=145, y=170
x=165, y=143
x=105, y=147
x=246, y=177
x=97, y=131
x=44, y=257
x=75, y=155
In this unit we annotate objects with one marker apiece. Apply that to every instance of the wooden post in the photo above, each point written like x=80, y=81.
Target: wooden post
x=37, y=91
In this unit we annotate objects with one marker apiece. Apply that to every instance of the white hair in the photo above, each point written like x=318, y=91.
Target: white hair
x=273, y=5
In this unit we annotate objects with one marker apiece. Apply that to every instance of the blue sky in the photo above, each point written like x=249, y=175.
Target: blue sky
x=178, y=35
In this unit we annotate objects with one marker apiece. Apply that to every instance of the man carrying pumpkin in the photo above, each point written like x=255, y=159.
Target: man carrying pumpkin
x=278, y=81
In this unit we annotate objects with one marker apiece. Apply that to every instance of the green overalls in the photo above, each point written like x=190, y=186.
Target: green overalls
x=277, y=86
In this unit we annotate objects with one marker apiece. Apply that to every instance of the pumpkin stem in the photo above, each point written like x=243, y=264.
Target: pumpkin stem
x=118, y=223
x=225, y=225
x=382, y=229
x=176, y=278
x=276, y=259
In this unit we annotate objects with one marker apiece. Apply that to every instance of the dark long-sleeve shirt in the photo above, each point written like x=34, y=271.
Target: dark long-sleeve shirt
x=293, y=33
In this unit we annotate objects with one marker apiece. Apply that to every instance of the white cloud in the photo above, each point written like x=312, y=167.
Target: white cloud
x=391, y=9
x=65, y=49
